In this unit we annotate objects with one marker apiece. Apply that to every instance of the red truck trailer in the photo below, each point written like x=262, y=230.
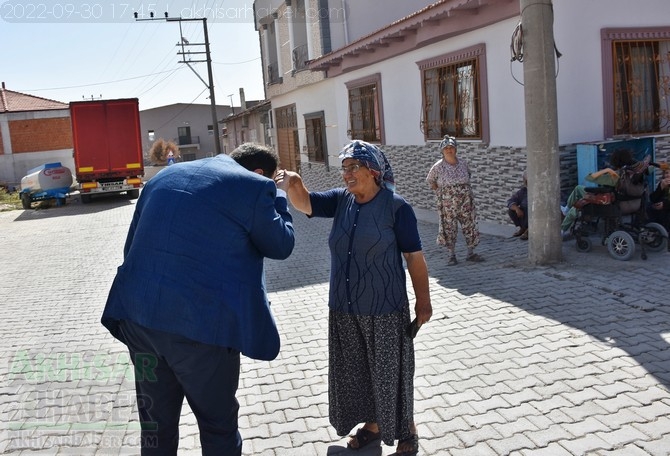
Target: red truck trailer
x=107, y=147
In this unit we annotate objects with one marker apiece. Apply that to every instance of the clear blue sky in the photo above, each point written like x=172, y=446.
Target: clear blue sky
x=69, y=50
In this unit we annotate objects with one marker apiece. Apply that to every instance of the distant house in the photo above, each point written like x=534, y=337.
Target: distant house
x=252, y=123
x=33, y=131
x=190, y=126
x=403, y=74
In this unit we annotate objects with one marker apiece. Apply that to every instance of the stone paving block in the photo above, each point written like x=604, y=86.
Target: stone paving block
x=474, y=436
x=510, y=444
x=625, y=435
x=477, y=385
x=259, y=431
x=657, y=447
x=545, y=436
x=520, y=426
x=489, y=418
x=552, y=449
x=438, y=446
x=258, y=419
x=655, y=430
x=480, y=449
x=257, y=445
x=584, y=445
x=290, y=427
x=578, y=398
x=616, y=403
x=626, y=450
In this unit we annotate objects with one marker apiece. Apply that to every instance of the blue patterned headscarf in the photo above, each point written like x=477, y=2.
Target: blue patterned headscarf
x=373, y=158
x=448, y=141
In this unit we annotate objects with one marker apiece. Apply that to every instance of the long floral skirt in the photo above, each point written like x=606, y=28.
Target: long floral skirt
x=371, y=373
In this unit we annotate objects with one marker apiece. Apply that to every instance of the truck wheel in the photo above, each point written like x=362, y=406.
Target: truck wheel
x=85, y=199
x=134, y=194
x=25, y=201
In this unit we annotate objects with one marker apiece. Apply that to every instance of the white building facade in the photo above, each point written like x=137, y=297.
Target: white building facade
x=403, y=79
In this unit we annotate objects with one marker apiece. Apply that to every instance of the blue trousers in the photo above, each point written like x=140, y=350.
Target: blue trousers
x=168, y=368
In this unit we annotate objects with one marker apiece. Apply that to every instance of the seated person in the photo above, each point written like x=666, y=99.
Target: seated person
x=659, y=208
x=517, y=209
x=608, y=177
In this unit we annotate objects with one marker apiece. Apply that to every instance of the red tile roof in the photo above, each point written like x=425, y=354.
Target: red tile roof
x=11, y=101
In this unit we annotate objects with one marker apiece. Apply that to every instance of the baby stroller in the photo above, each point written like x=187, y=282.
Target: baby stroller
x=618, y=215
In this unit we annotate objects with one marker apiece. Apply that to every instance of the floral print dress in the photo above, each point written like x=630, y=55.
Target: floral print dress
x=455, y=203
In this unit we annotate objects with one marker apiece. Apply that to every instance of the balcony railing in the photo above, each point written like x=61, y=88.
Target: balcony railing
x=186, y=140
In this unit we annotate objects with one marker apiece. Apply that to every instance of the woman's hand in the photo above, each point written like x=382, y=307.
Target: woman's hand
x=292, y=184
x=423, y=310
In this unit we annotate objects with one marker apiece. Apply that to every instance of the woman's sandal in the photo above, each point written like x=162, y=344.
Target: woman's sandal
x=475, y=258
x=410, y=445
x=363, y=438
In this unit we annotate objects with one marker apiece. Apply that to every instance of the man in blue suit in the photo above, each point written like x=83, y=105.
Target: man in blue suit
x=190, y=295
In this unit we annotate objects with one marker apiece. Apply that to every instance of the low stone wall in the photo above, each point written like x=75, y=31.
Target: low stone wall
x=496, y=173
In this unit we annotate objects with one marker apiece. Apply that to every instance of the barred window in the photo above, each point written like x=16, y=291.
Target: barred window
x=452, y=95
x=636, y=71
x=315, y=134
x=365, y=113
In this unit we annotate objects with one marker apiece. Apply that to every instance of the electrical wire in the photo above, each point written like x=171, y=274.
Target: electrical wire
x=95, y=83
x=516, y=51
x=167, y=122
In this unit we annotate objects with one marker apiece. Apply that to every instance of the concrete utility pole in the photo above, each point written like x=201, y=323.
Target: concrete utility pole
x=208, y=58
x=539, y=71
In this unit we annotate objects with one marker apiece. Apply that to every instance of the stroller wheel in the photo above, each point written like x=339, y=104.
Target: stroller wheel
x=655, y=237
x=621, y=245
x=583, y=244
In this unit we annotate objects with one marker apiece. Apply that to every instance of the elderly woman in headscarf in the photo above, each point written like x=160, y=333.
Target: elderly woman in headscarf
x=449, y=178
x=371, y=351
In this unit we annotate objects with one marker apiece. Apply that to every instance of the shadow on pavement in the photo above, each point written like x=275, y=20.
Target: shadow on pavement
x=74, y=206
x=618, y=303
x=337, y=450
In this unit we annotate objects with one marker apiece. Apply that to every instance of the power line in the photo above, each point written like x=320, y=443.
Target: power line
x=96, y=83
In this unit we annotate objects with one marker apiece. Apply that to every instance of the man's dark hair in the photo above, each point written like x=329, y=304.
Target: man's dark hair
x=622, y=157
x=256, y=156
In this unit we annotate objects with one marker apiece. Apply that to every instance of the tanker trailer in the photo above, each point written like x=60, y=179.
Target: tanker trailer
x=49, y=181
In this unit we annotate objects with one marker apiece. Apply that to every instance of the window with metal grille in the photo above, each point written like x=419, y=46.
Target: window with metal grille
x=315, y=134
x=636, y=72
x=365, y=112
x=452, y=96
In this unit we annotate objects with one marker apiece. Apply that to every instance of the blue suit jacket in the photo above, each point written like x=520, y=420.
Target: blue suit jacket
x=193, y=259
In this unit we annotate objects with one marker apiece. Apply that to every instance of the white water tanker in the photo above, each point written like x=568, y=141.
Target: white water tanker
x=49, y=181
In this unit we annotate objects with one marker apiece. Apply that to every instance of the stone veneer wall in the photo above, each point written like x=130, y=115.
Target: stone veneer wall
x=496, y=173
